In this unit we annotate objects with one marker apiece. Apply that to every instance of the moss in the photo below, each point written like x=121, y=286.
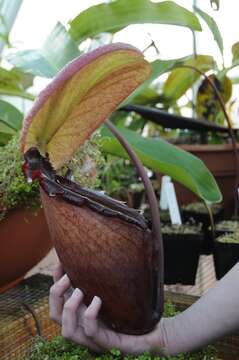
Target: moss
x=227, y=226
x=200, y=208
x=181, y=229
x=232, y=238
x=86, y=163
x=15, y=192
x=61, y=349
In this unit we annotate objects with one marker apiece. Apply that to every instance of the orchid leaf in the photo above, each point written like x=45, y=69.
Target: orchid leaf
x=80, y=98
x=163, y=157
x=57, y=51
x=212, y=26
x=120, y=13
x=182, y=79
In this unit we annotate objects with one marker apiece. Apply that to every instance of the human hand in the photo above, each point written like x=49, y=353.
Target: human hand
x=81, y=324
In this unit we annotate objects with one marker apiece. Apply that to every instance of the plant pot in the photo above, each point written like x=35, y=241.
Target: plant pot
x=220, y=160
x=225, y=255
x=181, y=256
x=197, y=213
x=226, y=227
x=24, y=241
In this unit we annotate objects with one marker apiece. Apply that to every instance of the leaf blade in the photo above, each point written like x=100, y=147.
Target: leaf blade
x=181, y=79
x=10, y=115
x=121, y=13
x=58, y=49
x=161, y=156
x=211, y=23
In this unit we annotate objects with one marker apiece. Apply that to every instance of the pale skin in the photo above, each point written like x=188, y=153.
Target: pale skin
x=214, y=315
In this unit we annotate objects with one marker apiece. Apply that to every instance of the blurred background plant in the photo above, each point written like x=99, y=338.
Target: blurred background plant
x=98, y=25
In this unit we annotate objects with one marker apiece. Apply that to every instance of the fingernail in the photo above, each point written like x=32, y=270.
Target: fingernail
x=77, y=292
x=97, y=299
x=64, y=277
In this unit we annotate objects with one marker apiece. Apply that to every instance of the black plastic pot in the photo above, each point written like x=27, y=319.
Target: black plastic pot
x=204, y=220
x=226, y=255
x=181, y=256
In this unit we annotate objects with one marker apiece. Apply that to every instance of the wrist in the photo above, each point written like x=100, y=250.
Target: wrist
x=158, y=340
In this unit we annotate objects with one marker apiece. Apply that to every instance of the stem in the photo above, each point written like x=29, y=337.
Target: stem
x=154, y=208
x=32, y=312
x=230, y=129
x=211, y=220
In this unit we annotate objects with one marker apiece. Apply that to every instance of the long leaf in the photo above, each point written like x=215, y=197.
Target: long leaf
x=120, y=13
x=159, y=155
x=213, y=27
x=56, y=52
x=10, y=115
x=180, y=80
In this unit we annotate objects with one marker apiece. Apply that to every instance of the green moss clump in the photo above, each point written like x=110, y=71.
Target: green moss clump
x=232, y=238
x=15, y=192
x=61, y=349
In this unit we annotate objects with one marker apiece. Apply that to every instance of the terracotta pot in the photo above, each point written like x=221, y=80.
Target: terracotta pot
x=24, y=241
x=220, y=160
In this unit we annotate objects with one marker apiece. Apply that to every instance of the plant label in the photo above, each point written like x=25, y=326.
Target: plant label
x=168, y=200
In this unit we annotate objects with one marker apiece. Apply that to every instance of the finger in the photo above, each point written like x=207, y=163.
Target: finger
x=69, y=315
x=58, y=271
x=91, y=317
x=56, y=299
x=106, y=338
x=71, y=327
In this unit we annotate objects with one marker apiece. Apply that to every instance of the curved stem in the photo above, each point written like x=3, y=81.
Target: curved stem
x=211, y=220
x=230, y=129
x=156, y=227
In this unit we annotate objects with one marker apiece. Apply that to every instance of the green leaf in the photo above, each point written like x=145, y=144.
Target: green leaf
x=159, y=67
x=11, y=83
x=148, y=96
x=120, y=13
x=212, y=26
x=235, y=53
x=160, y=156
x=10, y=116
x=180, y=80
x=56, y=52
x=6, y=133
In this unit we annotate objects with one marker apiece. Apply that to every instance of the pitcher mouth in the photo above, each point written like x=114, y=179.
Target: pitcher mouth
x=37, y=167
